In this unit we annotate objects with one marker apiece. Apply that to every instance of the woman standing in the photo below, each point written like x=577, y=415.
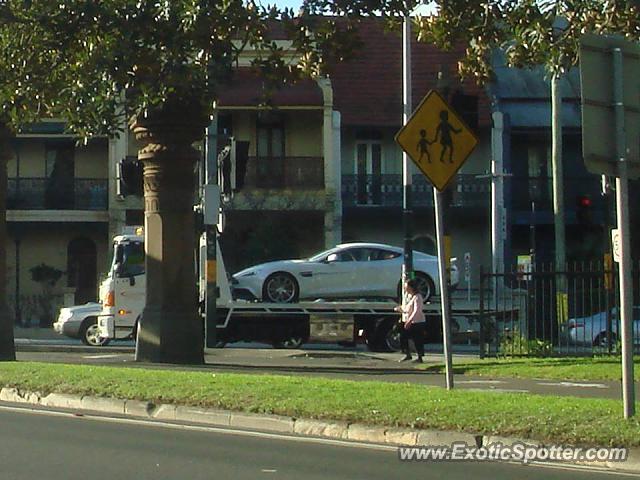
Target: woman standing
x=413, y=322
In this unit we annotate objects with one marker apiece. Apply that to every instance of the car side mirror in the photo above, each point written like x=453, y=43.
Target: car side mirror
x=332, y=258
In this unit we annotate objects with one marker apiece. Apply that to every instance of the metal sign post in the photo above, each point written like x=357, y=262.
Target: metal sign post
x=622, y=207
x=438, y=142
x=611, y=146
x=444, y=290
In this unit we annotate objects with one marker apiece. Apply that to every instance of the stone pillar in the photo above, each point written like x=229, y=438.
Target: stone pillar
x=7, y=346
x=171, y=331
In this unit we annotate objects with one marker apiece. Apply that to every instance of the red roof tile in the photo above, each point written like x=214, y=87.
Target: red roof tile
x=246, y=90
x=368, y=87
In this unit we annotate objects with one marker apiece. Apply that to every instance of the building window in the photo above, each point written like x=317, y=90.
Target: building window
x=59, y=173
x=369, y=172
x=467, y=107
x=270, y=151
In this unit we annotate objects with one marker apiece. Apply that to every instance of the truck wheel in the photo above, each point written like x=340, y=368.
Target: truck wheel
x=292, y=341
x=391, y=336
x=89, y=333
x=280, y=287
x=384, y=338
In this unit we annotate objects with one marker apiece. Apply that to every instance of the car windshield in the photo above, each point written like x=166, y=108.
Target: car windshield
x=130, y=257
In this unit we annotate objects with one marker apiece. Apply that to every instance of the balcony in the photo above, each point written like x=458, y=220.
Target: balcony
x=297, y=173
x=386, y=191
x=45, y=194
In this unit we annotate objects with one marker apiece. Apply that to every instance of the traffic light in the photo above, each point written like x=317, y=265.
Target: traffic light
x=584, y=209
x=224, y=171
x=129, y=175
x=232, y=166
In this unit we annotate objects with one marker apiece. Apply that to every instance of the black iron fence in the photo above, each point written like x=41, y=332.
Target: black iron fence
x=285, y=172
x=53, y=194
x=544, y=312
x=386, y=190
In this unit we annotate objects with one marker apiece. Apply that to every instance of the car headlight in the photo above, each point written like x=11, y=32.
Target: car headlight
x=248, y=274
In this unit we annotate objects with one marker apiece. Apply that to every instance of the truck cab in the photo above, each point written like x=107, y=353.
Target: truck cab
x=125, y=287
x=123, y=292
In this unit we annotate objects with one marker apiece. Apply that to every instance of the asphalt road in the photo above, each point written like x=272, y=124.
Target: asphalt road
x=54, y=446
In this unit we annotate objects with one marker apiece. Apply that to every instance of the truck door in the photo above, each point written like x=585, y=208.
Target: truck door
x=130, y=286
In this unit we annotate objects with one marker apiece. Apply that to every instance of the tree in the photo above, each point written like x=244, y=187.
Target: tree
x=527, y=30
x=27, y=82
x=160, y=66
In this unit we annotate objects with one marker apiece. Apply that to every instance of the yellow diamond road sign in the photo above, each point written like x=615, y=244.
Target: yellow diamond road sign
x=437, y=140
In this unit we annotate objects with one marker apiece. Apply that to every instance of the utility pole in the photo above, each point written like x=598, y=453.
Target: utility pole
x=558, y=186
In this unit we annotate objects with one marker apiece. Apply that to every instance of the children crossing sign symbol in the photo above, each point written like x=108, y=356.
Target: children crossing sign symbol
x=437, y=140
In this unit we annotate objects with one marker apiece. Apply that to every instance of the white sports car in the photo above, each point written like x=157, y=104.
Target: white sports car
x=351, y=270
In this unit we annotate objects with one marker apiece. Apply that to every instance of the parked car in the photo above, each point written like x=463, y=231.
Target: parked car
x=592, y=329
x=351, y=270
x=81, y=321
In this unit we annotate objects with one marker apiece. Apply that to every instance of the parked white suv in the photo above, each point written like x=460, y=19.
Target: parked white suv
x=81, y=321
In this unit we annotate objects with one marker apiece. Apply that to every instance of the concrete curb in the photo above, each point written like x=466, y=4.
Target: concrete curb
x=279, y=424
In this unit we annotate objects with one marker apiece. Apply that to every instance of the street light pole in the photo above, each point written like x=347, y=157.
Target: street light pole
x=407, y=213
x=558, y=185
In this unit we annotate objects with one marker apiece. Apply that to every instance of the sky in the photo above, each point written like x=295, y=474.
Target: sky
x=295, y=4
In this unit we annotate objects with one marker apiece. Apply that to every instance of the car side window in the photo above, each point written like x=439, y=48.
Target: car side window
x=360, y=254
x=345, y=256
x=378, y=254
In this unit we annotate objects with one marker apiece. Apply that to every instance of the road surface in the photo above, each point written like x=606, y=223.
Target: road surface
x=47, y=445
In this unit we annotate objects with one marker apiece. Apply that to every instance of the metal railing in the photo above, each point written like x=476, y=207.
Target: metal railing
x=386, y=190
x=49, y=194
x=285, y=173
x=527, y=313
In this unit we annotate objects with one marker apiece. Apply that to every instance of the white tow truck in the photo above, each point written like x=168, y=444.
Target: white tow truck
x=282, y=325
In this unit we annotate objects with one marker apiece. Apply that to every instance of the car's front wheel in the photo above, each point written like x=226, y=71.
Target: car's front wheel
x=605, y=340
x=89, y=333
x=280, y=287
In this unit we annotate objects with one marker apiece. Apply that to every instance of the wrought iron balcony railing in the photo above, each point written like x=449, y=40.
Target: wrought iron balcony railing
x=57, y=194
x=386, y=190
x=304, y=173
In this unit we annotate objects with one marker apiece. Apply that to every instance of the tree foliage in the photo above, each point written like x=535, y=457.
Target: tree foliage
x=531, y=32
x=96, y=63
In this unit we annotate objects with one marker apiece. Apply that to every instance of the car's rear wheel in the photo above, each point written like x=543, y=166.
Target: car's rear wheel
x=89, y=333
x=426, y=287
x=604, y=339
x=280, y=287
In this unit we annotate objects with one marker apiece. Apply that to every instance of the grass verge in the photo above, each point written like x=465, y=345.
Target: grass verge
x=564, y=368
x=577, y=421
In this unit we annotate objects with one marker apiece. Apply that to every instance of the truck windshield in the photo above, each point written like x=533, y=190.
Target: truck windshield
x=128, y=259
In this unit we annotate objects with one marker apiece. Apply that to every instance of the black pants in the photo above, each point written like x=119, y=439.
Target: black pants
x=416, y=332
